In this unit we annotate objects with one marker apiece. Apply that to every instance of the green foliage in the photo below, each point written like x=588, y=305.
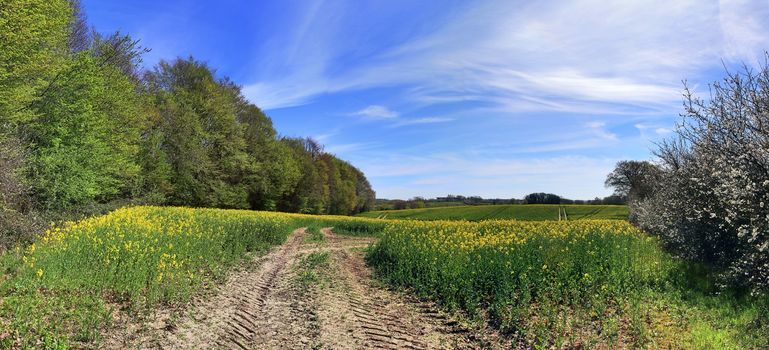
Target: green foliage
x=77, y=114
x=528, y=212
x=349, y=191
x=314, y=235
x=327, y=184
x=209, y=147
x=277, y=173
x=33, y=40
x=79, y=317
x=311, y=192
x=85, y=139
x=201, y=139
x=93, y=129
x=355, y=226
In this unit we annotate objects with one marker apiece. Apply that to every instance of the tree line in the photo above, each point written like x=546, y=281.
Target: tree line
x=83, y=128
x=550, y=198
x=452, y=200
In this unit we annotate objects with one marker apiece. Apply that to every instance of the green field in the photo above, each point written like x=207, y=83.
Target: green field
x=443, y=204
x=528, y=212
x=591, y=284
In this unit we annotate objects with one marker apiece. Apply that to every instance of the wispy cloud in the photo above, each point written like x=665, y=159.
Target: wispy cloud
x=598, y=129
x=416, y=121
x=324, y=137
x=346, y=147
x=605, y=73
x=376, y=112
x=744, y=28
x=550, y=55
x=652, y=131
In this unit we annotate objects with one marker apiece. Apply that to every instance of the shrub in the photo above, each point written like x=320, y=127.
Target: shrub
x=712, y=200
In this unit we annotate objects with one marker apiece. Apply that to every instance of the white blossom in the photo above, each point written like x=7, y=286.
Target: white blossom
x=710, y=203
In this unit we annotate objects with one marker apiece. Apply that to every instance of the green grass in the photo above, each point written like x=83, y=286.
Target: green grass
x=527, y=212
x=312, y=269
x=54, y=293
x=569, y=284
x=348, y=225
x=581, y=284
x=689, y=312
x=443, y=204
x=313, y=233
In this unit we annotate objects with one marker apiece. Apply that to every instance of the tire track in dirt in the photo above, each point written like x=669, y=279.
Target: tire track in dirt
x=267, y=307
x=254, y=310
x=358, y=314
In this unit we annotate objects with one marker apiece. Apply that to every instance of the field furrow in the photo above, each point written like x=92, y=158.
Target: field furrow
x=254, y=309
x=371, y=316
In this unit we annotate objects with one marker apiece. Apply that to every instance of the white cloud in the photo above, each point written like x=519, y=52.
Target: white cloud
x=376, y=112
x=416, y=121
x=544, y=56
x=346, y=147
x=586, y=60
x=598, y=129
x=657, y=131
x=744, y=27
x=324, y=137
x=273, y=96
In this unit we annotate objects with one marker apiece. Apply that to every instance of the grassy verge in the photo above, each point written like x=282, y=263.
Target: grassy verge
x=56, y=291
x=526, y=212
x=591, y=284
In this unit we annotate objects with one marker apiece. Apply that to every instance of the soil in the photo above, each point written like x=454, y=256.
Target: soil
x=266, y=307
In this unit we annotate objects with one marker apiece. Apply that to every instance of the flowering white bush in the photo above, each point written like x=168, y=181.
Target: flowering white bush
x=712, y=200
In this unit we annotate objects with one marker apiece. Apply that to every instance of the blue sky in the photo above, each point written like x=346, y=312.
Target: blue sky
x=495, y=98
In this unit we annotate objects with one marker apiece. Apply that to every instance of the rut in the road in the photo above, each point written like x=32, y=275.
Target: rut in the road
x=266, y=311
x=264, y=308
x=356, y=313
x=252, y=311
x=380, y=326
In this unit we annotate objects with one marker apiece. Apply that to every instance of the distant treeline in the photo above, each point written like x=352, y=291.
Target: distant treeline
x=452, y=200
x=84, y=128
x=549, y=198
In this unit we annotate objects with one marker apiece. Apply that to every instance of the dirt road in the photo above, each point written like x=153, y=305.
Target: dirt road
x=310, y=294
